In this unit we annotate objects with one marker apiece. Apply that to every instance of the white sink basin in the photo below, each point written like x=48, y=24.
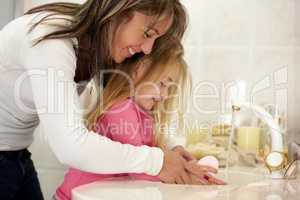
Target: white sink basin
x=141, y=190
x=241, y=178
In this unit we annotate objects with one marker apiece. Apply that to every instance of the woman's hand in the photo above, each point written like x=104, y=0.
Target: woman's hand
x=176, y=170
x=198, y=174
x=173, y=170
x=186, y=155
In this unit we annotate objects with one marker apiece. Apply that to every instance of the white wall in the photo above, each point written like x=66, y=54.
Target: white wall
x=6, y=11
x=243, y=39
x=30, y=3
x=297, y=65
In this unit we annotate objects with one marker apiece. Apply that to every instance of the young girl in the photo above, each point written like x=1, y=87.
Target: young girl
x=136, y=109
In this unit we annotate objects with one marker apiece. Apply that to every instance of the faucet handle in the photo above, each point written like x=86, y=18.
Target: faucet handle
x=293, y=157
x=275, y=161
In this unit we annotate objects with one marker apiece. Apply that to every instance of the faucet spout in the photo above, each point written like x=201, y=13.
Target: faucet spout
x=276, y=132
x=275, y=158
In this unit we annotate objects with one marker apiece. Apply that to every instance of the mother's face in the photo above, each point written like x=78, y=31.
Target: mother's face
x=137, y=35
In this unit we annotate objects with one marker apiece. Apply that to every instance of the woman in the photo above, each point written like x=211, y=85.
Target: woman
x=44, y=53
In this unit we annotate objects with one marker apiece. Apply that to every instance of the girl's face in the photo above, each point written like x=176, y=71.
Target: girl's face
x=147, y=94
x=137, y=35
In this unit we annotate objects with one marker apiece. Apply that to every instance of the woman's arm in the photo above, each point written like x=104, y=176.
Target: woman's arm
x=50, y=67
x=125, y=117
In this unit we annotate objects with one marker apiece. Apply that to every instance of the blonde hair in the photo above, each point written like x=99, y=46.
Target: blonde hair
x=119, y=88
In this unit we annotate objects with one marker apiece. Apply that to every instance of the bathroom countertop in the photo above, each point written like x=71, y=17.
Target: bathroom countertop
x=141, y=190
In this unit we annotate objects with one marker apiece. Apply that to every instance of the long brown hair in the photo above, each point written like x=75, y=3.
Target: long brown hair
x=93, y=24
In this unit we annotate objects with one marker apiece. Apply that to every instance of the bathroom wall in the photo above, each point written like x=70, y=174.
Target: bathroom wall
x=297, y=65
x=6, y=11
x=254, y=40
x=30, y=3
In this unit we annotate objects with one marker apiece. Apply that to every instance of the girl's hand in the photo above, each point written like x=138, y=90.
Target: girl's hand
x=202, y=174
x=206, y=180
x=176, y=170
x=186, y=155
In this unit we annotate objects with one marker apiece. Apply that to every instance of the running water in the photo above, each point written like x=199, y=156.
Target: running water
x=231, y=136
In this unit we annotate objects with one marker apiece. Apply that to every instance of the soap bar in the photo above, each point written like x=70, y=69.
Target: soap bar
x=209, y=161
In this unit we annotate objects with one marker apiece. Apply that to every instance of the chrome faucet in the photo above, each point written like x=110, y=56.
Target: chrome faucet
x=275, y=159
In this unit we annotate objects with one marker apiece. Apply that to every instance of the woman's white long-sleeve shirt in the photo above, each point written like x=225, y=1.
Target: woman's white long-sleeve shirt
x=37, y=86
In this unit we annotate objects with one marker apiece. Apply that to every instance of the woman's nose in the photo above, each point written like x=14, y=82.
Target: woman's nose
x=147, y=46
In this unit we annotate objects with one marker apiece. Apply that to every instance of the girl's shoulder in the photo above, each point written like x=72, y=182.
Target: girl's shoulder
x=120, y=113
x=127, y=110
x=128, y=106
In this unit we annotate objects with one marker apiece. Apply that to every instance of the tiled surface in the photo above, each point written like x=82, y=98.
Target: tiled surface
x=297, y=67
x=273, y=22
x=6, y=12
x=50, y=179
x=243, y=39
x=297, y=22
x=50, y=171
x=218, y=22
x=297, y=94
x=29, y=3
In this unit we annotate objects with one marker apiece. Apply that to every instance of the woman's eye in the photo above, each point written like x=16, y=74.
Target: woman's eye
x=147, y=35
x=162, y=84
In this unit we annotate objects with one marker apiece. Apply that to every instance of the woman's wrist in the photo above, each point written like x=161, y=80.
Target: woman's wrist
x=157, y=161
x=183, y=152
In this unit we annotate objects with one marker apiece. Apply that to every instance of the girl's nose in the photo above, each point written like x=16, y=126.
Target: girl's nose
x=158, y=98
x=147, y=46
x=164, y=93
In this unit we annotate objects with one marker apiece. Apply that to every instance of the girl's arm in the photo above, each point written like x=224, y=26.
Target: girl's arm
x=51, y=67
